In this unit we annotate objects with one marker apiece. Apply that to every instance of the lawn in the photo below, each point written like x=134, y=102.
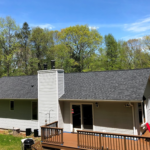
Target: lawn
x=10, y=142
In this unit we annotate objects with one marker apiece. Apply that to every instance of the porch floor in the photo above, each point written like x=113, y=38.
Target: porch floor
x=70, y=142
x=147, y=133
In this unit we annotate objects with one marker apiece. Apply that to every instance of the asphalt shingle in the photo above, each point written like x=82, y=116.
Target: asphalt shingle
x=23, y=87
x=106, y=85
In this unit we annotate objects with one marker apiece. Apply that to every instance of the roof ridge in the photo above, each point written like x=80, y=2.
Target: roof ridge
x=109, y=70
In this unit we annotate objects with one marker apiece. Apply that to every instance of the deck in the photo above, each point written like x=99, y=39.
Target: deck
x=70, y=142
x=53, y=137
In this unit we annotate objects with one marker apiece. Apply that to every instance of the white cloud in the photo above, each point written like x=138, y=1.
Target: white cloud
x=93, y=27
x=48, y=26
x=140, y=26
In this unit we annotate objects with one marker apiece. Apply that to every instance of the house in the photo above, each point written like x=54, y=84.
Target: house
x=105, y=101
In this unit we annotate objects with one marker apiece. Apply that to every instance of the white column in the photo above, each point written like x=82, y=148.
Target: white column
x=145, y=109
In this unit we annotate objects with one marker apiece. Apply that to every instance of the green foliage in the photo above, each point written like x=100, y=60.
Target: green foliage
x=82, y=43
x=23, y=51
x=111, y=52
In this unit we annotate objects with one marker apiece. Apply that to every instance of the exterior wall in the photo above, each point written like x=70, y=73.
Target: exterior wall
x=60, y=115
x=66, y=117
x=60, y=83
x=20, y=117
x=111, y=117
x=136, y=116
x=7, y=123
x=148, y=110
x=49, y=89
x=147, y=95
x=22, y=109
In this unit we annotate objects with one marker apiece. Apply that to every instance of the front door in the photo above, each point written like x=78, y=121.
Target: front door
x=82, y=117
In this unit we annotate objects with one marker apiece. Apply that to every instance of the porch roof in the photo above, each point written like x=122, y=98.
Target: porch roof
x=106, y=85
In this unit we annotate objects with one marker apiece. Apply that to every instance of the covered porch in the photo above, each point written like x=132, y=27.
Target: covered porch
x=113, y=117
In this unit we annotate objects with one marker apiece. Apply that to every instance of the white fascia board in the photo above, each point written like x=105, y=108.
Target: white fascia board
x=96, y=100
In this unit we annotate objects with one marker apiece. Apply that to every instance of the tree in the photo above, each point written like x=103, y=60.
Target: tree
x=39, y=45
x=82, y=42
x=8, y=43
x=24, y=52
x=111, y=52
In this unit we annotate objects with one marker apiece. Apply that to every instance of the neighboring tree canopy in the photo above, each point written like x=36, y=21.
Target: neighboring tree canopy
x=24, y=50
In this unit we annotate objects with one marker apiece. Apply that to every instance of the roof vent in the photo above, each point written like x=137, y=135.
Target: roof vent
x=45, y=66
x=52, y=64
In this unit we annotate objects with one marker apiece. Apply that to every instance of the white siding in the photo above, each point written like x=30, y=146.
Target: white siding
x=148, y=110
x=109, y=117
x=66, y=117
x=47, y=97
x=60, y=83
x=7, y=123
x=137, y=124
x=60, y=115
x=49, y=85
x=147, y=95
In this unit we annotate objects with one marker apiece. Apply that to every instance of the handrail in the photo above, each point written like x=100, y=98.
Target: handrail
x=55, y=122
x=52, y=134
x=111, y=141
x=52, y=128
x=117, y=134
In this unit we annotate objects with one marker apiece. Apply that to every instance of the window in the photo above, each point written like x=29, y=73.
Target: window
x=34, y=110
x=11, y=105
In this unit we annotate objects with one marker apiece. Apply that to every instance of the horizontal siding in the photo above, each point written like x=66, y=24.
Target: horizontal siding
x=18, y=123
x=47, y=97
x=109, y=117
x=66, y=116
x=148, y=111
x=60, y=83
x=22, y=109
x=60, y=115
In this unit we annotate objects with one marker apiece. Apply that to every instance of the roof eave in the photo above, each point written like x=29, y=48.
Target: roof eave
x=98, y=100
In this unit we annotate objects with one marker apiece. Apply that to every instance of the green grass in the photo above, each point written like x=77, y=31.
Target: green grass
x=10, y=142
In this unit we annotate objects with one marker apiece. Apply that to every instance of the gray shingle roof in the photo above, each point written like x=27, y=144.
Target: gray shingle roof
x=106, y=85
x=18, y=87
x=103, y=85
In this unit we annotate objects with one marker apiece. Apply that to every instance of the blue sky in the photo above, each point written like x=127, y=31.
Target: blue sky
x=124, y=19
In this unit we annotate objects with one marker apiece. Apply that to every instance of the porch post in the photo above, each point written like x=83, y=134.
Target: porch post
x=142, y=112
x=145, y=109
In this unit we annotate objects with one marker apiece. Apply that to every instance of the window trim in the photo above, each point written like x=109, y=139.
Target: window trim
x=10, y=105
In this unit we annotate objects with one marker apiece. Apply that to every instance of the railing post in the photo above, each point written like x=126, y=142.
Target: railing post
x=62, y=136
x=78, y=138
x=125, y=143
x=100, y=141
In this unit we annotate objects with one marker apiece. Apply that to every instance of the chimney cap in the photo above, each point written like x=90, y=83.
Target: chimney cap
x=52, y=64
x=45, y=66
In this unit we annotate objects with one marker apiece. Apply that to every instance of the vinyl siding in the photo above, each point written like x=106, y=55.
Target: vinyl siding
x=47, y=97
x=7, y=123
x=147, y=95
x=66, y=116
x=109, y=117
x=50, y=87
x=60, y=83
x=22, y=109
x=148, y=110
x=60, y=115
